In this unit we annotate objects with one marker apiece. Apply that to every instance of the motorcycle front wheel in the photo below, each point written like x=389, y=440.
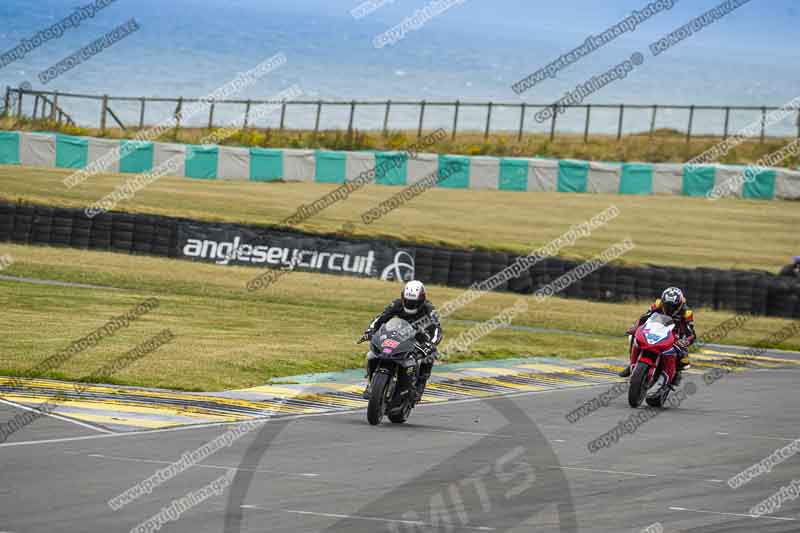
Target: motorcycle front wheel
x=377, y=397
x=638, y=384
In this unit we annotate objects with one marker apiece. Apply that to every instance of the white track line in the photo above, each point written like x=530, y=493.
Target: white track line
x=636, y=474
x=731, y=514
x=374, y=519
x=766, y=437
x=290, y=417
x=216, y=467
x=58, y=417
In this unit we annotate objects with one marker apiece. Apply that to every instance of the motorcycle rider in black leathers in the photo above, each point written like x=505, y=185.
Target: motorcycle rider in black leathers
x=413, y=307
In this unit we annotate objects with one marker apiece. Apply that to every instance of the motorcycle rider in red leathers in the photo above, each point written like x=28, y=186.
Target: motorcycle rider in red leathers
x=672, y=303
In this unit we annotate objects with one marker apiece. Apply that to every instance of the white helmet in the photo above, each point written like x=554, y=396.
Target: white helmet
x=413, y=296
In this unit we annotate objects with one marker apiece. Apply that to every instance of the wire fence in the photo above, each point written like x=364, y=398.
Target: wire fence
x=513, y=119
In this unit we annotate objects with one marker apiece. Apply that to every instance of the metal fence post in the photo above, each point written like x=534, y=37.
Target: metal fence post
x=455, y=119
x=727, y=122
x=19, y=103
x=211, y=115
x=352, y=116
x=653, y=121
x=798, y=123
x=386, y=118
x=246, y=114
x=178, y=116
x=283, y=114
x=421, y=118
x=488, y=121
x=521, y=121
x=103, y=108
x=691, y=123
x=316, y=121
x=588, y=121
x=553, y=123
x=7, y=101
x=621, y=117
x=141, y=112
x=53, y=106
x=35, y=106
x=763, y=123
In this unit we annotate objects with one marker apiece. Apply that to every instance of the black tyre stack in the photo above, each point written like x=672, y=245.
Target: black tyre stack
x=481, y=267
x=81, y=231
x=423, y=264
x=100, y=232
x=759, y=293
x=144, y=230
x=42, y=225
x=122, y=230
x=460, y=269
x=441, y=267
x=498, y=262
x=7, y=216
x=61, y=232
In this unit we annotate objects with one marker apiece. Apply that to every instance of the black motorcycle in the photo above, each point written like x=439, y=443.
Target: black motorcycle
x=393, y=366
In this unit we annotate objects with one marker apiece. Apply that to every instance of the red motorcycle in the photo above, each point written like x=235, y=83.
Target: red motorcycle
x=652, y=342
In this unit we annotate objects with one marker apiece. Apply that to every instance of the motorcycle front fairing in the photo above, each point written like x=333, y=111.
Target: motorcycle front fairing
x=395, y=341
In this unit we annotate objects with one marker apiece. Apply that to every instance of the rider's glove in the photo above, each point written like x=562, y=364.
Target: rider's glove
x=682, y=344
x=631, y=330
x=367, y=335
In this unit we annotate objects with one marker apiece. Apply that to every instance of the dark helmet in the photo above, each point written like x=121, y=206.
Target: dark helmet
x=673, y=302
x=413, y=296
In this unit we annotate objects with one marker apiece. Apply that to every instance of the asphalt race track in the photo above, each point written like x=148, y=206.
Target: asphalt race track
x=507, y=464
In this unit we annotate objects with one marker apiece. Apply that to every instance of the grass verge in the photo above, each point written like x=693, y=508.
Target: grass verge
x=229, y=338
x=668, y=230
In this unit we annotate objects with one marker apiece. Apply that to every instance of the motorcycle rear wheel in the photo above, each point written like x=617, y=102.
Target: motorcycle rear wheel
x=638, y=384
x=377, y=397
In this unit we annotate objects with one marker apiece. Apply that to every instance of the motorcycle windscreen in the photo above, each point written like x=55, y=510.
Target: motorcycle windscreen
x=657, y=328
x=396, y=335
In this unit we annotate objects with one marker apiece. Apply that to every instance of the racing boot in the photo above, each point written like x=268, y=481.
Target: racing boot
x=625, y=372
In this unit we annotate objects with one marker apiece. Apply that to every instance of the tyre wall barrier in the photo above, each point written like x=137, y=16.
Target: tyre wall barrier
x=759, y=293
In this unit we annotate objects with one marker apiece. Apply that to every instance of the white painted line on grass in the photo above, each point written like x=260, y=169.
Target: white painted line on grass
x=731, y=514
